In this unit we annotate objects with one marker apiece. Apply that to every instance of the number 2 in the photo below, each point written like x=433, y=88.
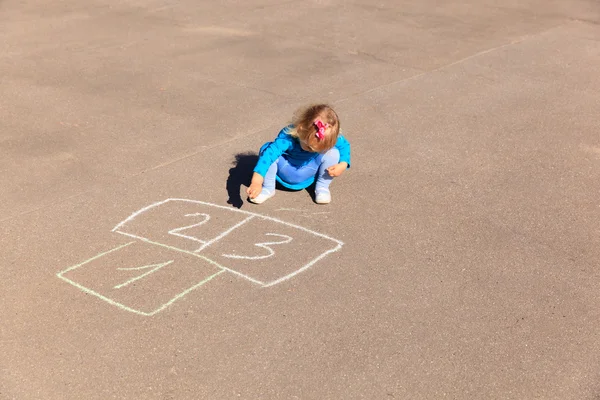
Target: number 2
x=176, y=231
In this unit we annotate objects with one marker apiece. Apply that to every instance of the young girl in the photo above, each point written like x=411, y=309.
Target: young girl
x=311, y=148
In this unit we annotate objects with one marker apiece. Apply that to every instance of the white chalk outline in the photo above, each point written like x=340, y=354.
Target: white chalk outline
x=195, y=254
x=120, y=305
x=235, y=210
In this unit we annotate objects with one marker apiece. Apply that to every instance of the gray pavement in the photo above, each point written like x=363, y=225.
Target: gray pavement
x=458, y=260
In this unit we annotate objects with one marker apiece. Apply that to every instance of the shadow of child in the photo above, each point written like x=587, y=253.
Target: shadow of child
x=240, y=174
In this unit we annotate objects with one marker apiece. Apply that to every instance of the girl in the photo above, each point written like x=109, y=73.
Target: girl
x=309, y=148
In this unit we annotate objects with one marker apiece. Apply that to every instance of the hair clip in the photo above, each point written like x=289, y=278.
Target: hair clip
x=320, y=129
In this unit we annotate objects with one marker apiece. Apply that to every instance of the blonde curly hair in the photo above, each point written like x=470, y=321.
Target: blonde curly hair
x=304, y=128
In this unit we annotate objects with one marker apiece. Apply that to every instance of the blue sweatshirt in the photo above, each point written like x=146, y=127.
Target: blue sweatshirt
x=289, y=146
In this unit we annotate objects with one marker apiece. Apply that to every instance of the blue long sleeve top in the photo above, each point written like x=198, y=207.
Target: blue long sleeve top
x=289, y=146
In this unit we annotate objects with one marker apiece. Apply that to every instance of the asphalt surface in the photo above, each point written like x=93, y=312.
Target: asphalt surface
x=458, y=259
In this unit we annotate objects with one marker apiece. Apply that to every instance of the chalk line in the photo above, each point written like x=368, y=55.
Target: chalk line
x=180, y=295
x=93, y=258
x=135, y=214
x=304, y=268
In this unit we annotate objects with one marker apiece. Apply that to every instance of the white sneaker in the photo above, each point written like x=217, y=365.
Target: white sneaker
x=323, y=197
x=262, y=197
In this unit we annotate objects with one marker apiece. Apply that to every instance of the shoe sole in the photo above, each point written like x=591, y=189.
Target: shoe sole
x=323, y=201
x=261, y=201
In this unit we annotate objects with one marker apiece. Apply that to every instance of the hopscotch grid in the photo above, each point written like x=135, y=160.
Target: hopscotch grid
x=222, y=268
x=216, y=264
x=251, y=215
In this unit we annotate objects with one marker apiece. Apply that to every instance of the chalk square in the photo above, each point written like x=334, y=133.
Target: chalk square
x=141, y=278
x=180, y=224
x=268, y=251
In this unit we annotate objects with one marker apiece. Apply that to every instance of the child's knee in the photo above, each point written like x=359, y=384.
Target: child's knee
x=332, y=156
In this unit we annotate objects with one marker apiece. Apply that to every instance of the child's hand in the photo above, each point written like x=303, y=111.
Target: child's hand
x=255, y=186
x=337, y=169
x=254, y=190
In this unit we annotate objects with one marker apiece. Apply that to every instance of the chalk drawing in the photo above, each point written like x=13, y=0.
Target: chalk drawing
x=264, y=245
x=120, y=304
x=156, y=268
x=225, y=233
x=143, y=239
x=176, y=231
x=237, y=219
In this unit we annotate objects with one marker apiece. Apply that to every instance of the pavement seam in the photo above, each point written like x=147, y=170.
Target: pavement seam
x=443, y=67
x=585, y=21
x=194, y=153
x=43, y=206
x=124, y=179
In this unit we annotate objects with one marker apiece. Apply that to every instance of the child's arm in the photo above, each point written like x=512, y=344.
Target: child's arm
x=343, y=147
x=269, y=155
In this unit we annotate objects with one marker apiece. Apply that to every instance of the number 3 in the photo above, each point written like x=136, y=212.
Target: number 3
x=264, y=245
